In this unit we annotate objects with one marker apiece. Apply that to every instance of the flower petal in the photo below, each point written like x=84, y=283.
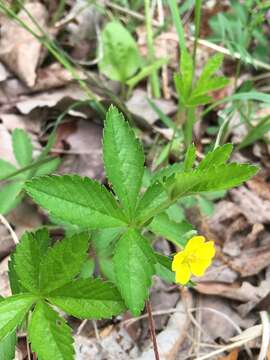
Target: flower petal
x=198, y=267
x=177, y=260
x=183, y=274
x=206, y=251
x=194, y=243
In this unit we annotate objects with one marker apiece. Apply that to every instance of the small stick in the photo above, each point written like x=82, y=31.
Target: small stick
x=152, y=329
x=4, y=221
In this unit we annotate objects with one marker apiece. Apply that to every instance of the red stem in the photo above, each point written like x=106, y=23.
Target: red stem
x=152, y=328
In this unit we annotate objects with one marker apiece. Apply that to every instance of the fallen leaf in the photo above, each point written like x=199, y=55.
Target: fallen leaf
x=19, y=49
x=141, y=109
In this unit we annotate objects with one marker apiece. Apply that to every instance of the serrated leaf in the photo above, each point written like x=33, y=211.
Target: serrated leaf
x=50, y=336
x=104, y=240
x=48, y=167
x=190, y=157
x=8, y=344
x=13, y=277
x=183, y=80
x=123, y=159
x=28, y=255
x=6, y=168
x=13, y=311
x=171, y=230
x=76, y=200
x=88, y=299
x=22, y=147
x=154, y=197
x=120, y=57
x=134, y=262
x=213, y=84
x=63, y=262
x=213, y=64
x=216, y=157
x=10, y=196
x=215, y=178
x=164, y=173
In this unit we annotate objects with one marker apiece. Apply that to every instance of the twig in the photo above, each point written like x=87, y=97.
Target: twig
x=152, y=329
x=9, y=228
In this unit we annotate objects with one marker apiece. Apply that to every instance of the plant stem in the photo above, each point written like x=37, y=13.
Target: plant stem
x=152, y=328
x=151, y=49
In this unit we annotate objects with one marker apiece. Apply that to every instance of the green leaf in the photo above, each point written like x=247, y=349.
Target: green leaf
x=88, y=299
x=22, y=147
x=63, y=262
x=14, y=283
x=50, y=336
x=120, y=58
x=48, y=167
x=154, y=197
x=171, y=230
x=134, y=262
x=123, y=159
x=76, y=200
x=8, y=345
x=183, y=80
x=256, y=133
x=215, y=178
x=164, y=173
x=146, y=71
x=28, y=256
x=164, y=268
x=190, y=157
x=13, y=311
x=104, y=240
x=10, y=196
x=88, y=268
x=206, y=206
x=6, y=168
x=107, y=268
x=216, y=157
x=212, y=65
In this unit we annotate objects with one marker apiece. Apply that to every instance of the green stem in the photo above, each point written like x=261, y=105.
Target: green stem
x=154, y=79
x=189, y=124
x=28, y=167
x=59, y=11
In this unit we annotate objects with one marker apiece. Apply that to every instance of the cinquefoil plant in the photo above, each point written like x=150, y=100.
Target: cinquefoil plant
x=123, y=212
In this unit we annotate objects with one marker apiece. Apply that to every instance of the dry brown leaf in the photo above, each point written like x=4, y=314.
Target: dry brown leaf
x=20, y=50
x=244, y=293
x=251, y=261
x=232, y=356
x=255, y=209
x=85, y=146
x=140, y=108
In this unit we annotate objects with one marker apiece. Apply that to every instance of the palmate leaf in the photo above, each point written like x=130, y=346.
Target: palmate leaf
x=63, y=262
x=13, y=311
x=123, y=159
x=134, y=262
x=28, y=256
x=22, y=147
x=50, y=336
x=88, y=299
x=76, y=200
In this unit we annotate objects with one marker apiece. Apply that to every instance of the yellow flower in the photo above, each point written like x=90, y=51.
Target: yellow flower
x=193, y=260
